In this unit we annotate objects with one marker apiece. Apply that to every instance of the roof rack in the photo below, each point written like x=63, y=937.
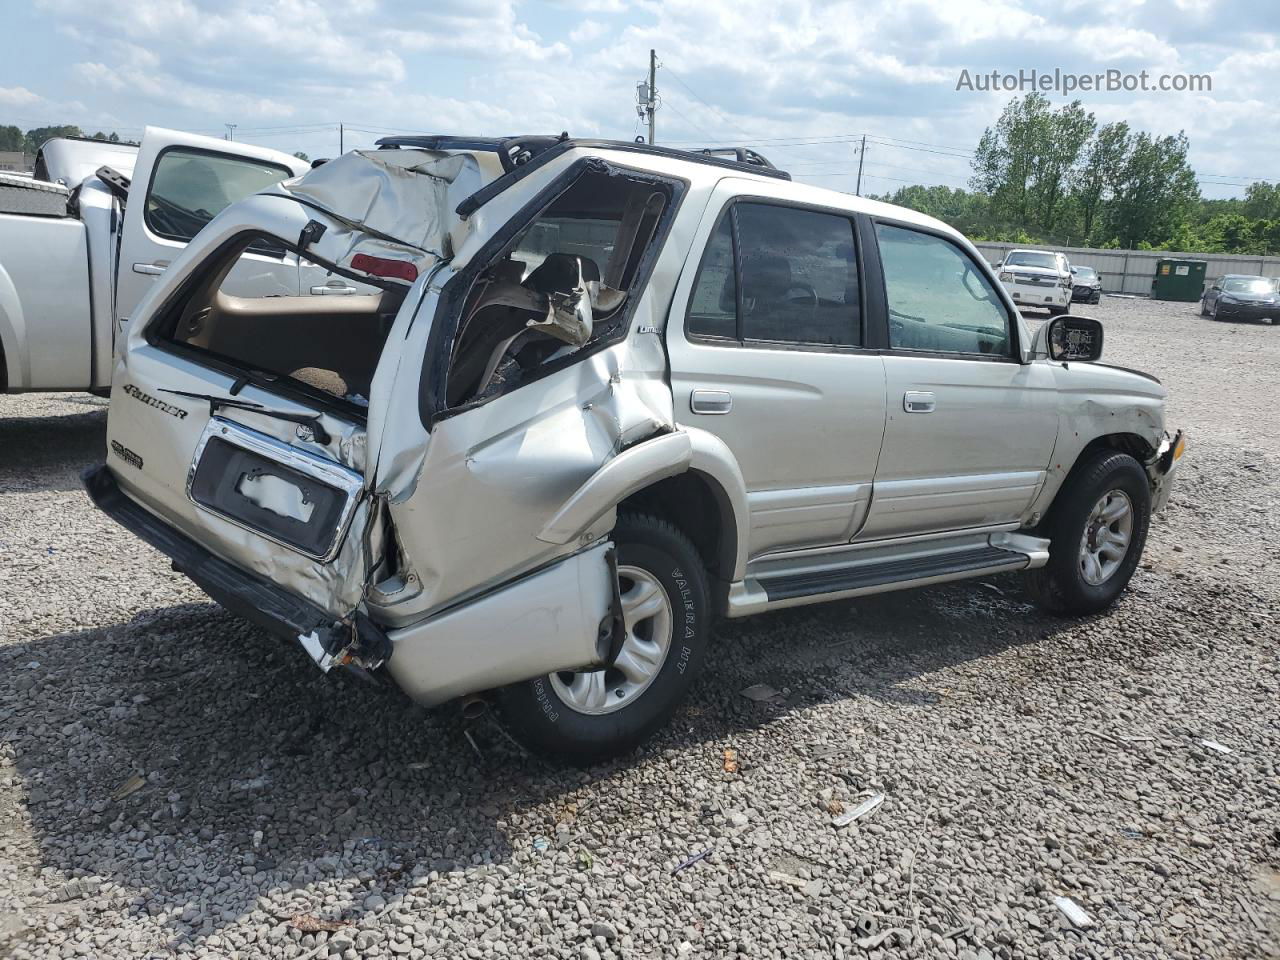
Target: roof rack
x=521, y=156
x=517, y=151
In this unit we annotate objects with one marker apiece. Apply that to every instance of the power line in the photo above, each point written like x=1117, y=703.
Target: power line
x=675, y=76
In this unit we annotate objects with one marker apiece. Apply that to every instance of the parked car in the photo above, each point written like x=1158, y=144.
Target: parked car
x=1086, y=285
x=84, y=240
x=611, y=391
x=1038, y=278
x=1241, y=297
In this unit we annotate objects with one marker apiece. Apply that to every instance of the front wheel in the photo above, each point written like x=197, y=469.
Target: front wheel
x=589, y=715
x=1097, y=529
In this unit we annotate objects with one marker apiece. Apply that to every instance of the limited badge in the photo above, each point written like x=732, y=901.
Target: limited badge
x=125, y=454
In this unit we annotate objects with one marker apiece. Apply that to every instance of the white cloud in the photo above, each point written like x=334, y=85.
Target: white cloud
x=18, y=96
x=587, y=32
x=744, y=70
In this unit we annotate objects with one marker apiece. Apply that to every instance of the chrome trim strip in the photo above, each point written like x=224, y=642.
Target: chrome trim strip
x=328, y=472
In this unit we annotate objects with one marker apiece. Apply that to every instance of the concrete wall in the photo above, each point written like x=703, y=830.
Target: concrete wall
x=1131, y=271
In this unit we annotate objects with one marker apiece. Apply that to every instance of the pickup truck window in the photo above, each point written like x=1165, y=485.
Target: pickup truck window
x=938, y=300
x=790, y=278
x=190, y=187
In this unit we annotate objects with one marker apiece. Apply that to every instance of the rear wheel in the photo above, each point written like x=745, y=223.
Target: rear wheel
x=588, y=715
x=1097, y=530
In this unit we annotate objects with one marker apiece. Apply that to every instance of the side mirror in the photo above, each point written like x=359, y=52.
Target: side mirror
x=1074, y=338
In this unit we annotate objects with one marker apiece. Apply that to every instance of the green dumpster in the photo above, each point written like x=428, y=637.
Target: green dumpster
x=1178, y=279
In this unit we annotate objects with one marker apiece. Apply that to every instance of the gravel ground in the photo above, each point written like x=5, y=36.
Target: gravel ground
x=173, y=782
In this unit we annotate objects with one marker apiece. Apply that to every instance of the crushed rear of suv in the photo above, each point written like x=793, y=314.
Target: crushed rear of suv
x=552, y=405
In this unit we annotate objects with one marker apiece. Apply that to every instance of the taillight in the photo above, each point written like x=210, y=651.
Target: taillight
x=385, y=267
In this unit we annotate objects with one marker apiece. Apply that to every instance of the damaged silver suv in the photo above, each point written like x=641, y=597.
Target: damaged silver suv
x=540, y=409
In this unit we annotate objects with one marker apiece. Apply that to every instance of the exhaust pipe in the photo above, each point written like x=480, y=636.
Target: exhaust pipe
x=473, y=706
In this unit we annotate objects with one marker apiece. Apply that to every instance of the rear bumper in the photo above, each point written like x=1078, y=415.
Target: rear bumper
x=244, y=594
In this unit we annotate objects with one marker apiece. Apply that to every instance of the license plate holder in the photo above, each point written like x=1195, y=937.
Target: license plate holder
x=289, y=496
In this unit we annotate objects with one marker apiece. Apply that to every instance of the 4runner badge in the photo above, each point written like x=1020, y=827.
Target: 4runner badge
x=151, y=401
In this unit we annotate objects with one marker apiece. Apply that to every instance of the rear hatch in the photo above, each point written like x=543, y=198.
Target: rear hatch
x=241, y=421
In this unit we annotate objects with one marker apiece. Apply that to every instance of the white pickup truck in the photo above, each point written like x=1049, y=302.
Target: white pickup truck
x=83, y=241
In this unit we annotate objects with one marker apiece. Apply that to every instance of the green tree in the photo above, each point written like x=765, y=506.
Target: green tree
x=1067, y=131
x=1103, y=160
x=301, y=156
x=1027, y=161
x=1155, y=193
x=1262, y=201
x=39, y=135
x=12, y=138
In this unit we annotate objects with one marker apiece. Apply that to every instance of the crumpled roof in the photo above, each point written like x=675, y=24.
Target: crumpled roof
x=405, y=196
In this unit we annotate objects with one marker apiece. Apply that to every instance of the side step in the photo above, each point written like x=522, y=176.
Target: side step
x=864, y=576
x=851, y=570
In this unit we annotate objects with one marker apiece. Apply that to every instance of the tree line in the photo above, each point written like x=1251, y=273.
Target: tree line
x=14, y=139
x=1054, y=176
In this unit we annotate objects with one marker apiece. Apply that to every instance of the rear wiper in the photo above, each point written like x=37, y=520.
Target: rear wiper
x=312, y=421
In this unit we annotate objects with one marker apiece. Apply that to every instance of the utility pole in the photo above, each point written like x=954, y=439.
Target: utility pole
x=647, y=95
x=862, y=152
x=341, y=140
x=231, y=130
x=653, y=90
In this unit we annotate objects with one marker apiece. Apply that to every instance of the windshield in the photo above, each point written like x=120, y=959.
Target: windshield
x=1084, y=273
x=1255, y=285
x=1027, y=258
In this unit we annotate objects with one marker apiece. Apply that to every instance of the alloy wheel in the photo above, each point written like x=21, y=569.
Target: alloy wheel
x=647, y=617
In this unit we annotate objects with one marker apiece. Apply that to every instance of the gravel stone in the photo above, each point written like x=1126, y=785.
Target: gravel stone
x=1023, y=757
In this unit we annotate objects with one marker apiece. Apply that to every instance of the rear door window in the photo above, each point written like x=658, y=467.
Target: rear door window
x=778, y=274
x=562, y=287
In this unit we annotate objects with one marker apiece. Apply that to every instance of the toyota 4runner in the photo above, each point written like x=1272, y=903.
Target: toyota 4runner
x=570, y=401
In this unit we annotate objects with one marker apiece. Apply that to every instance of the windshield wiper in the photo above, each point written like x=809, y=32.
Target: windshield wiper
x=312, y=421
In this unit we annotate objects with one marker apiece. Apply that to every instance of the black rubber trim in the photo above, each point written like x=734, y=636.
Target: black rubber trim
x=893, y=571
x=244, y=594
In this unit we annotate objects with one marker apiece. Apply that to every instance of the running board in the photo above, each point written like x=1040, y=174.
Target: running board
x=856, y=571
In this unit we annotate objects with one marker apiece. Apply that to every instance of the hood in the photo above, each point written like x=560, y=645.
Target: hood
x=388, y=201
x=1032, y=271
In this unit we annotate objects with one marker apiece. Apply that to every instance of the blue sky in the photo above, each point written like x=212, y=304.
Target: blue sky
x=801, y=81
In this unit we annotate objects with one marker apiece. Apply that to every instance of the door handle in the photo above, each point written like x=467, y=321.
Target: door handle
x=711, y=402
x=151, y=269
x=919, y=401
x=334, y=288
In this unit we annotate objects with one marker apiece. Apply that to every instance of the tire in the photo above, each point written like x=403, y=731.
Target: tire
x=1057, y=311
x=542, y=712
x=1063, y=586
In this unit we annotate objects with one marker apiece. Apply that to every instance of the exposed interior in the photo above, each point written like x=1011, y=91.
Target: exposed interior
x=560, y=287
x=249, y=313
